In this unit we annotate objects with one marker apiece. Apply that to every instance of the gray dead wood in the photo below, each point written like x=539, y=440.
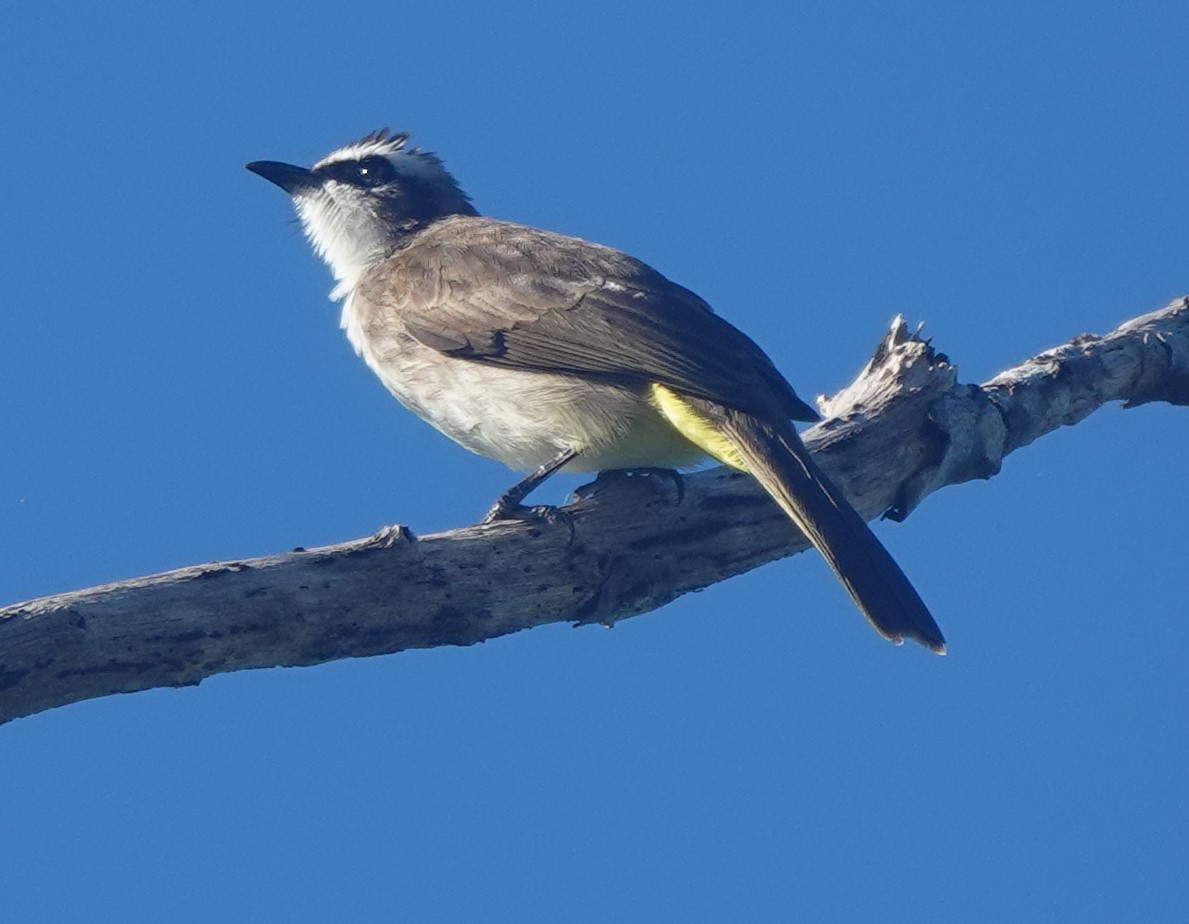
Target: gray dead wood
x=902, y=430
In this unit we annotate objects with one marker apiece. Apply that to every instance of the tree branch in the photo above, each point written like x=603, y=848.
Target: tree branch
x=902, y=430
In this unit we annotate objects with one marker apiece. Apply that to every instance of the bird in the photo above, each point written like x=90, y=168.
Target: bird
x=548, y=352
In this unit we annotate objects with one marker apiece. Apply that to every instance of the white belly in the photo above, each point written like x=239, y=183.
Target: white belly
x=523, y=419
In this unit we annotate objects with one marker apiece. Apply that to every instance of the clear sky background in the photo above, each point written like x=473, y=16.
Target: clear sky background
x=174, y=389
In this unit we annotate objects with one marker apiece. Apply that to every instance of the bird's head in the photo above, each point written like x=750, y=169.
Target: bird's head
x=359, y=202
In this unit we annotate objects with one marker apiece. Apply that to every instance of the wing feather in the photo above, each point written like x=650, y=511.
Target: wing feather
x=505, y=294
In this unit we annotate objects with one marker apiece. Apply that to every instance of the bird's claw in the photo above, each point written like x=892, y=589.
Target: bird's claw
x=537, y=513
x=612, y=476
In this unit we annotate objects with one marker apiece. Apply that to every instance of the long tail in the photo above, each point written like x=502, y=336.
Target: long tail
x=779, y=461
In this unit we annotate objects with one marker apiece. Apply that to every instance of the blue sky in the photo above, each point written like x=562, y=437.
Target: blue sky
x=174, y=389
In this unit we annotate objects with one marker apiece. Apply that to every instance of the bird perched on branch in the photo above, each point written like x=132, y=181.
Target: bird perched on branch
x=548, y=352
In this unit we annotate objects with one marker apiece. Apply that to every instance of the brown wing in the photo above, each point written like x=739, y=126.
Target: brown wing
x=505, y=294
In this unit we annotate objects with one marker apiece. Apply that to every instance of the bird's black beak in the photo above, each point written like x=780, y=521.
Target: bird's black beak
x=290, y=178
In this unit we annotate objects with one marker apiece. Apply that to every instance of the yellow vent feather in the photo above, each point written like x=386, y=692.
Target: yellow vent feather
x=696, y=427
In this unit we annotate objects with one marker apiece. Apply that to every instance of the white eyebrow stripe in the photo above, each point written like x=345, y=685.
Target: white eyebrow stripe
x=368, y=147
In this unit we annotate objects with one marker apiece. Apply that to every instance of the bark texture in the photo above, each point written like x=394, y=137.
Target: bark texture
x=902, y=430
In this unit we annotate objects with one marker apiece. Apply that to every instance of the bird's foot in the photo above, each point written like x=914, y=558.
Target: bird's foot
x=505, y=509
x=508, y=506
x=510, y=509
x=617, y=476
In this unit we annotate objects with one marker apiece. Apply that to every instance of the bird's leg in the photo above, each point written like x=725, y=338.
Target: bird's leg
x=508, y=507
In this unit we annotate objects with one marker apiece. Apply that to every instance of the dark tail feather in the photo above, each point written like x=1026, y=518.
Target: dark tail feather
x=780, y=462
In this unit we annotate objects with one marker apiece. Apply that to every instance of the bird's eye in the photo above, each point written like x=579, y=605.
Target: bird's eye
x=373, y=171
